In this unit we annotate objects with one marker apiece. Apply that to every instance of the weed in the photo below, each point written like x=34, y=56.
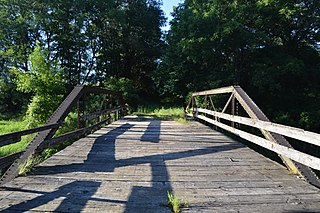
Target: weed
x=174, y=203
x=29, y=164
x=36, y=159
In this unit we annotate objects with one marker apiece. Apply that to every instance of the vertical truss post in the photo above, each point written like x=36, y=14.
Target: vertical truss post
x=233, y=103
x=80, y=110
x=79, y=114
x=214, y=109
x=194, y=106
x=237, y=125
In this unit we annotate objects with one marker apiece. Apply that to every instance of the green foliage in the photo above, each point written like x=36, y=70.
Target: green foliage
x=90, y=40
x=44, y=77
x=266, y=47
x=7, y=127
x=127, y=87
x=36, y=159
x=12, y=102
x=45, y=81
x=16, y=147
x=40, y=109
x=163, y=113
x=29, y=164
x=309, y=120
x=173, y=203
x=70, y=123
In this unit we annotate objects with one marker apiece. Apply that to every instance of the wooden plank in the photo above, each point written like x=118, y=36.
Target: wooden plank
x=292, y=132
x=255, y=112
x=295, y=155
x=214, y=91
x=116, y=169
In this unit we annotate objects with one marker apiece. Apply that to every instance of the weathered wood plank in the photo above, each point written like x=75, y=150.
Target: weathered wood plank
x=292, y=132
x=305, y=159
x=130, y=165
x=214, y=91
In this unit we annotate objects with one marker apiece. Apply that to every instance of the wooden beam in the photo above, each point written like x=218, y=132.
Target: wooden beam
x=214, y=91
x=292, y=132
x=228, y=102
x=256, y=113
x=295, y=155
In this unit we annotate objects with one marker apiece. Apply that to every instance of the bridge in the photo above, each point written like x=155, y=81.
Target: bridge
x=129, y=163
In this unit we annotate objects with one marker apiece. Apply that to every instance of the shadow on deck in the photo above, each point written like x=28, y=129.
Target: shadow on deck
x=74, y=196
x=102, y=153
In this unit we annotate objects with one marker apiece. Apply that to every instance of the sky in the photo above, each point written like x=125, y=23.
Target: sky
x=167, y=7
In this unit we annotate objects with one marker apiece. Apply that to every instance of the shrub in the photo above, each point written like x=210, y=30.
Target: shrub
x=45, y=82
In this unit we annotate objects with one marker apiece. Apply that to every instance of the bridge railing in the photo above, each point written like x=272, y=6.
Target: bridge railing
x=108, y=106
x=202, y=106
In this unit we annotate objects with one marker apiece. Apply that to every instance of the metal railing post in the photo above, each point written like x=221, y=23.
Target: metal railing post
x=233, y=103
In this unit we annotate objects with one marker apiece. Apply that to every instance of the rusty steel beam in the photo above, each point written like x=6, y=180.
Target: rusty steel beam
x=8, y=160
x=53, y=123
x=16, y=136
x=70, y=135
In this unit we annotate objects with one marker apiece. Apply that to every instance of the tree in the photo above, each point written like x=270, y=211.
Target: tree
x=12, y=103
x=264, y=46
x=45, y=82
x=131, y=42
x=90, y=40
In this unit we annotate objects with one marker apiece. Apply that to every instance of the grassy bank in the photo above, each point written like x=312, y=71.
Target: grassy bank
x=162, y=113
x=9, y=127
x=70, y=124
x=6, y=127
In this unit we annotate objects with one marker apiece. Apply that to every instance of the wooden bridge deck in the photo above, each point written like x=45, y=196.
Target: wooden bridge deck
x=130, y=165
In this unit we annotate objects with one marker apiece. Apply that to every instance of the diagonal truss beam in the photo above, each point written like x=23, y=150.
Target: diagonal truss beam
x=256, y=114
x=55, y=121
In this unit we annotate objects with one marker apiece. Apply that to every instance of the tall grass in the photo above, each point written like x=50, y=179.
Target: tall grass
x=7, y=127
x=164, y=113
x=11, y=126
